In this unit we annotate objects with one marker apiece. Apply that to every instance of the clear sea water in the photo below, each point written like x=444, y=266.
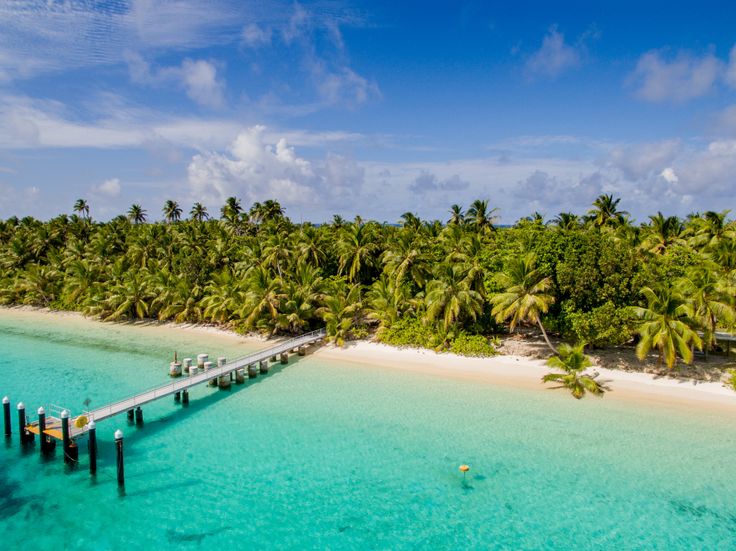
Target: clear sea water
x=319, y=455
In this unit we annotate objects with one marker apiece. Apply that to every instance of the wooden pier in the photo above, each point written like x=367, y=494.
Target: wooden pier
x=79, y=425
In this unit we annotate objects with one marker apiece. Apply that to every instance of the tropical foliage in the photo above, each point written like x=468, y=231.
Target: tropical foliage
x=667, y=284
x=573, y=362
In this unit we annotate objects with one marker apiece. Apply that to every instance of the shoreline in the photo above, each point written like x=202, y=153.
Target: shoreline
x=505, y=370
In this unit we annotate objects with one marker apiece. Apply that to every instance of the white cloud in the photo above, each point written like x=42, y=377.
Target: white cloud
x=199, y=78
x=554, y=56
x=108, y=188
x=255, y=36
x=642, y=160
x=669, y=175
x=428, y=182
x=201, y=82
x=682, y=78
x=730, y=75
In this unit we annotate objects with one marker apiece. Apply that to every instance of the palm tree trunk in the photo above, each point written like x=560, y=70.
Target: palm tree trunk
x=546, y=338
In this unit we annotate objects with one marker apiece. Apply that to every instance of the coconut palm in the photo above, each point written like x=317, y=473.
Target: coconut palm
x=457, y=216
x=526, y=294
x=342, y=306
x=231, y=210
x=710, y=298
x=356, y=249
x=137, y=214
x=82, y=207
x=199, y=212
x=663, y=232
x=172, y=211
x=449, y=297
x=573, y=362
x=479, y=217
x=606, y=213
x=666, y=324
x=567, y=221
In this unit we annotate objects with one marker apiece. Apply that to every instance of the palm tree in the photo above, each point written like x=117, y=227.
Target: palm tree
x=199, y=212
x=573, y=362
x=356, y=250
x=666, y=324
x=82, y=207
x=526, y=295
x=172, y=211
x=342, y=306
x=406, y=257
x=710, y=299
x=606, y=213
x=231, y=210
x=457, y=216
x=567, y=221
x=449, y=297
x=664, y=231
x=136, y=214
x=479, y=217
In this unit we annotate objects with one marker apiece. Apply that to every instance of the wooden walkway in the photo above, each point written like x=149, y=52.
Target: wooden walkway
x=53, y=425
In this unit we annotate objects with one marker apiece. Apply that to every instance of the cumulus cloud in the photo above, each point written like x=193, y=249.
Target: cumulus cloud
x=641, y=160
x=553, y=57
x=684, y=77
x=255, y=169
x=108, y=188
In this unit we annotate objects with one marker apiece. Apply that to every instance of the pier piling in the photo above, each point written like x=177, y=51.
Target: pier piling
x=284, y=358
x=138, y=416
x=263, y=366
x=185, y=397
x=92, y=444
x=24, y=439
x=119, y=455
x=42, y=429
x=131, y=413
x=6, y=416
x=252, y=371
x=65, y=435
x=177, y=397
x=187, y=365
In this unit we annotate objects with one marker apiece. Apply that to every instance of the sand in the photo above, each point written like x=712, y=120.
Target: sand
x=508, y=370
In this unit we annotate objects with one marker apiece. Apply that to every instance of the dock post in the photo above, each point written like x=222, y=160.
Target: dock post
x=186, y=366
x=263, y=366
x=284, y=358
x=302, y=350
x=92, y=443
x=177, y=396
x=22, y=423
x=138, y=416
x=65, y=435
x=185, y=397
x=273, y=359
x=6, y=416
x=119, y=454
x=42, y=429
x=239, y=377
x=130, y=415
x=201, y=359
x=252, y=371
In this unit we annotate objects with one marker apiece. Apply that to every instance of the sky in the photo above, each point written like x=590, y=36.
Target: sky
x=371, y=108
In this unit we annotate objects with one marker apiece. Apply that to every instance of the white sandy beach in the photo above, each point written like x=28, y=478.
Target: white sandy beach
x=507, y=370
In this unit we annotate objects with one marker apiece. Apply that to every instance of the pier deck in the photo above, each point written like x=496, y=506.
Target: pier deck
x=53, y=425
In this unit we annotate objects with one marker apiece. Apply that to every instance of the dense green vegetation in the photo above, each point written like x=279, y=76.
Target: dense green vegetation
x=598, y=279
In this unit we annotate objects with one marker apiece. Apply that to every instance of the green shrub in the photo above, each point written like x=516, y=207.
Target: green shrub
x=408, y=331
x=731, y=380
x=472, y=345
x=605, y=325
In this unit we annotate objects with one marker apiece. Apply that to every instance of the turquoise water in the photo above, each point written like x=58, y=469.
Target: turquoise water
x=318, y=455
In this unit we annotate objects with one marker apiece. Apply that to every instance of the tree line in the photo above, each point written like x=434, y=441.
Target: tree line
x=667, y=284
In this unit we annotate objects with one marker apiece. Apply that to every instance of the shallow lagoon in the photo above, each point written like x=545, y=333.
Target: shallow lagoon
x=320, y=455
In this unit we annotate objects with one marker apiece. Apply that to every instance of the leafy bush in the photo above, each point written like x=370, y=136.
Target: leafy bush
x=407, y=331
x=601, y=326
x=472, y=345
x=731, y=380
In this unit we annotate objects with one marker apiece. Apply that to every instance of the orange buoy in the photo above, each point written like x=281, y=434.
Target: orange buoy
x=464, y=468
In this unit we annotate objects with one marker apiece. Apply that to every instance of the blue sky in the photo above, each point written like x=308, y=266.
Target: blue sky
x=367, y=107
